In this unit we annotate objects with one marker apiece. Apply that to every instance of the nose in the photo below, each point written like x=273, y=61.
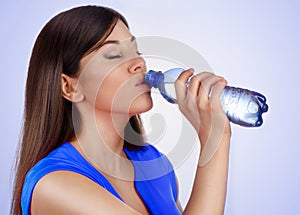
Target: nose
x=137, y=65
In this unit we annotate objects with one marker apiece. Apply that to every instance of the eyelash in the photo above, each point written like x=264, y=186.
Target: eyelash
x=113, y=56
x=118, y=56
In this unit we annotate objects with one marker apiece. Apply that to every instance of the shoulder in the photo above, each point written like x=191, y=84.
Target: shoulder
x=60, y=192
x=64, y=161
x=65, y=157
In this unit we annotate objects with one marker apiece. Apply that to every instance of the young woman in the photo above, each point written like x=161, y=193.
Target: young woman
x=82, y=150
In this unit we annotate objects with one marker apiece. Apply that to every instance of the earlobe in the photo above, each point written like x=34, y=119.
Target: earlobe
x=69, y=89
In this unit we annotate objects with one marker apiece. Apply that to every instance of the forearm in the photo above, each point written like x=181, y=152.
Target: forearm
x=209, y=189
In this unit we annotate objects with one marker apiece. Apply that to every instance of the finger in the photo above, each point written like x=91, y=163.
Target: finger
x=217, y=91
x=206, y=87
x=195, y=83
x=180, y=84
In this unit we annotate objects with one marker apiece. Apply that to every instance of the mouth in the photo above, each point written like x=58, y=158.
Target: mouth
x=142, y=84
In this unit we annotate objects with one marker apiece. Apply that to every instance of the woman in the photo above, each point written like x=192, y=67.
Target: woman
x=82, y=150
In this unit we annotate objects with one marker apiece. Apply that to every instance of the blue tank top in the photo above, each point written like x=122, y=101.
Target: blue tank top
x=154, y=176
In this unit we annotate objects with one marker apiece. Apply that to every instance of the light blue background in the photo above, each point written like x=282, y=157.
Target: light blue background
x=252, y=44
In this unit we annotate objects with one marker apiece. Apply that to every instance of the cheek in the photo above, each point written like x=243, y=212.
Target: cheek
x=97, y=75
x=104, y=96
x=113, y=94
x=99, y=85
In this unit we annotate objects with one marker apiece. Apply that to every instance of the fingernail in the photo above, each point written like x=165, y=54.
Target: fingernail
x=192, y=70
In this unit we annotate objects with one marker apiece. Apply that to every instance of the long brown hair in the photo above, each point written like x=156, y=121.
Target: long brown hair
x=48, y=120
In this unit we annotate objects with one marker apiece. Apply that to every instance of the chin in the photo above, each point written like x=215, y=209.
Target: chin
x=141, y=105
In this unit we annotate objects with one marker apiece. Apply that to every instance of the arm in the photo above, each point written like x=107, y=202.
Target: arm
x=203, y=109
x=64, y=192
x=177, y=201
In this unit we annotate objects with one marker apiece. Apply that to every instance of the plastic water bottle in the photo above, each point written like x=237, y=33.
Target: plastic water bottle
x=241, y=106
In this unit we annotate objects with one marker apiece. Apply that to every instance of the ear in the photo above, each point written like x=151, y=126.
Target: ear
x=70, y=89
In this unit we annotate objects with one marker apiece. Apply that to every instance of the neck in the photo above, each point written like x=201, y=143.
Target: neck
x=101, y=141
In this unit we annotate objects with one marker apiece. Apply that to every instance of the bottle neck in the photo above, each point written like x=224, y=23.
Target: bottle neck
x=153, y=78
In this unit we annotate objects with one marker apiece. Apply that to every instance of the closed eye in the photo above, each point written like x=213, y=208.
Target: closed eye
x=113, y=56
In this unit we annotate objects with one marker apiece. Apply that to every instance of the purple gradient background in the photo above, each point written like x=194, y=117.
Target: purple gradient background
x=253, y=44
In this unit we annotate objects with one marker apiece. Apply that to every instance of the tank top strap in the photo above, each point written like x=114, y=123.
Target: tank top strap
x=155, y=179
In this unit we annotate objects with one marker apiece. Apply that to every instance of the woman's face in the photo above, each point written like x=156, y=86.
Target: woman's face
x=111, y=76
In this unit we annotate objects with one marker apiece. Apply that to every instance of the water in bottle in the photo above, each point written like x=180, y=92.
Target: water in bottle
x=241, y=106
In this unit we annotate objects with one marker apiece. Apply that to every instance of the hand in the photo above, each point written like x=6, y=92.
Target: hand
x=200, y=104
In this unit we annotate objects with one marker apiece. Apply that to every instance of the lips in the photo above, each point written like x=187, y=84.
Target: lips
x=142, y=84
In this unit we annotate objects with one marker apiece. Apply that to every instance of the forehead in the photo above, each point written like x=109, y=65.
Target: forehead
x=120, y=32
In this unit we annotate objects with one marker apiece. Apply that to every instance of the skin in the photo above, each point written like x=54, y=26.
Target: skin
x=107, y=93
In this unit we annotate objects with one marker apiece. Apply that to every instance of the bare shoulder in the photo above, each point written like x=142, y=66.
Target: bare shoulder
x=65, y=192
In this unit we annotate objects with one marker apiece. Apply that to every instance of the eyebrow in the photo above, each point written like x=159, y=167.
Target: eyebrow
x=133, y=38
x=98, y=46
